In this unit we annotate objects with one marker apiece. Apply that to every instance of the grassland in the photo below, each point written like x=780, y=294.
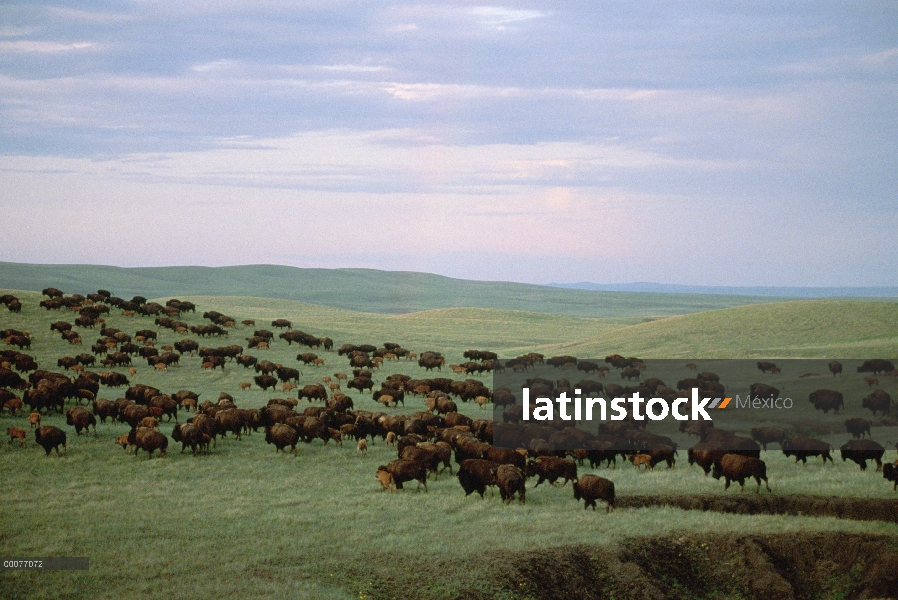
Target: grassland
x=244, y=520
x=364, y=290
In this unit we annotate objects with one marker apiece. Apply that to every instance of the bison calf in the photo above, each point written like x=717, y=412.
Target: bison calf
x=16, y=433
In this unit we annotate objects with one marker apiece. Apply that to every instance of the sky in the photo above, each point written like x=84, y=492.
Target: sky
x=704, y=143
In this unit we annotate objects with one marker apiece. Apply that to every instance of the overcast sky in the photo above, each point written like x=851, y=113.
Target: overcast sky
x=715, y=143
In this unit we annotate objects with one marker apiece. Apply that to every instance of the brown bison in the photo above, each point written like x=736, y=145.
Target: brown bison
x=591, y=488
x=81, y=418
x=878, y=400
x=149, y=440
x=767, y=435
x=475, y=475
x=735, y=467
x=511, y=480
x=876, y=366
x=406, y=470
x=801, y=447
x=50, y=437
x=835, y=367
x=860, y=451
x=857, y=427
x=16, y=433
x=890, y=472
x=827, y=400
x=281, y=436
x=552, y=468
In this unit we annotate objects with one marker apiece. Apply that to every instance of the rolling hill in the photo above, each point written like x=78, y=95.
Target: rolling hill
x=366, y=290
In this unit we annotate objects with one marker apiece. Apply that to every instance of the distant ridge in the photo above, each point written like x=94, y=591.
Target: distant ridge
x=762, y=291
x=366, y=290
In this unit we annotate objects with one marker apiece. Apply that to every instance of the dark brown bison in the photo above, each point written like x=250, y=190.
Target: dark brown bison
x=860, y=451
x=552, y=468
x=827, y=400
x=591, y=488
x=406, y=470
x=281, y=436
x=266, y=381
x=764, y=366
x=763, y=391
x=767, y=435
x=50, y=437
x=314, y=391
x=835, y=367
x=475, y=475
x=511, y=480
x=878, y=400
x=188, y=434
x=81, y=418
x=706, y=455
x=735, y=467
x=876, y=366
x=857, y=427
x=801, y=447
x=150, y=440
x=890, y=472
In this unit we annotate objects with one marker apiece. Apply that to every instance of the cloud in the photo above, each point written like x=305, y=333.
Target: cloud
x=500, y=18
x=46, y=47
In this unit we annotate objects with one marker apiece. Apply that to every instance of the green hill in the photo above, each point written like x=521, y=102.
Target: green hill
x=366, y=290
x=803, y=328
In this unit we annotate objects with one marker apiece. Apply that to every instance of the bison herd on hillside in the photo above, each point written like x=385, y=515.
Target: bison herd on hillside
x=501, y=453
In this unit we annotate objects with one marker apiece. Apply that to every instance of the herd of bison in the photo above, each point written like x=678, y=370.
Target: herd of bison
x=426, y=441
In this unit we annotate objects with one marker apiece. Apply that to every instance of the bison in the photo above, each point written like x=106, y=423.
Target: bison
x=801, y=447
x=857, y=427
x=81, y=418
x=878, y=400
x=511, y=480
x=405, y=470
x=735, y=467
x=591, y=488
x=50, y=437
x=860, y=451
x=476, y=474
x=149, y=440
x=552, y=468
x=767, y=435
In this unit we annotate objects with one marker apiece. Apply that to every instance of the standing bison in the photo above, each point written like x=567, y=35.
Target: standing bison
x=735, y=467
x=50, y=437
x=591, y=488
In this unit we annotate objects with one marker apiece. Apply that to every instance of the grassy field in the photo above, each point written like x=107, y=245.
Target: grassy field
x=245, y=520
x=365, y=290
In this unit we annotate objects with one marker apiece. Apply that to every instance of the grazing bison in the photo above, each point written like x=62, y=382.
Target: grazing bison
x=50, y=437
x=857, y=427
x=735, y=467
x=475, y=475
x=860, y=451
x=876, y=366
x=764, y=366
x=406, y=470
x=591, y=488
x=878, y=400
x=149, y=440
